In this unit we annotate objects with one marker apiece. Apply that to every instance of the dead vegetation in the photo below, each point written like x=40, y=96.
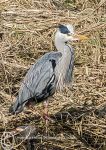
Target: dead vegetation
x=26, y=32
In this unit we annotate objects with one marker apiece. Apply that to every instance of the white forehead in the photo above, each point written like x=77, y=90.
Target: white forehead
x=70, y=28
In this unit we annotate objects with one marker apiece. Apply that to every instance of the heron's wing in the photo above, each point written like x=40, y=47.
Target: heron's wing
x=40, y=78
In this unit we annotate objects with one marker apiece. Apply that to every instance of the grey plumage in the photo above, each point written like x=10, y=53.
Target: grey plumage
x=39, y=82
x=49, y=73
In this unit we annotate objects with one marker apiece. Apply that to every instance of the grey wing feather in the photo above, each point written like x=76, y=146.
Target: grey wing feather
x=39, y=76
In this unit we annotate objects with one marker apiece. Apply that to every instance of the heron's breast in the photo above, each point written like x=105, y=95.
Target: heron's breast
x=61, y=68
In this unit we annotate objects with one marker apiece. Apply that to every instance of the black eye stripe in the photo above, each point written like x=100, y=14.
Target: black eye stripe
x=69, y=34
x=63, y=29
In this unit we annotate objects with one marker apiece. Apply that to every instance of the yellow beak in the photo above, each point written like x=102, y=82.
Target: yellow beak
x=80, y=37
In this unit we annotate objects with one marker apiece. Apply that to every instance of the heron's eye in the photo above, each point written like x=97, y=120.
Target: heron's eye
x=68, y=34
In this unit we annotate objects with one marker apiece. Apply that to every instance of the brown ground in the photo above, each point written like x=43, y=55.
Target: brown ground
x=26, y=32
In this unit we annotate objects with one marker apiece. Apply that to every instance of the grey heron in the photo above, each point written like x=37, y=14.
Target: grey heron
x=50, y=73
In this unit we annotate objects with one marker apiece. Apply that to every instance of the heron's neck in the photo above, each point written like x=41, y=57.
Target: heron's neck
x=64, y=62
x=59, y=45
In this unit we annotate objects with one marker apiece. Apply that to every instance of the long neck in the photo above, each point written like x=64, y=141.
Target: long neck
x=59, y=44
x=63, y=64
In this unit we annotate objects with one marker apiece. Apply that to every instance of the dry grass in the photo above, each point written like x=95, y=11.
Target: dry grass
x=26, y=32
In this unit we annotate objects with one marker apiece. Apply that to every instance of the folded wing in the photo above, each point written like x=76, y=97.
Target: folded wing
x=39, y=82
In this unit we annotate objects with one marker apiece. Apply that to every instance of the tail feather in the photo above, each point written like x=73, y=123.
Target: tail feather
x=16, y=108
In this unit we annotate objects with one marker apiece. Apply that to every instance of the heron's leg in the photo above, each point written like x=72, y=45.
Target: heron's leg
x=46, y=114
x=46, y=110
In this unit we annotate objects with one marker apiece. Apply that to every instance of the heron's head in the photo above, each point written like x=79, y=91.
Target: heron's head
x=66, y=33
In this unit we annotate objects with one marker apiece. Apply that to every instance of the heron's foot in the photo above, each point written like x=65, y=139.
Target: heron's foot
x=47, y=118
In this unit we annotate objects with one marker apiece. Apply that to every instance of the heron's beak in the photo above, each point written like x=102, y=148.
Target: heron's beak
x=79, y=37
